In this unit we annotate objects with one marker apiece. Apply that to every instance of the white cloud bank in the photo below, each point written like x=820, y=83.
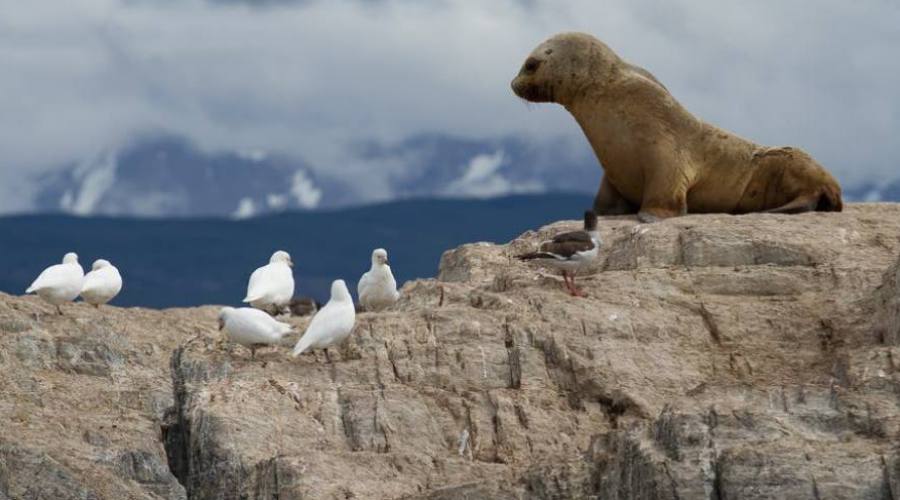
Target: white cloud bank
x=314, y=78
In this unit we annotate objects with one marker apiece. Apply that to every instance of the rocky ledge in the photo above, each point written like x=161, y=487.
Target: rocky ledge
x=715, y=357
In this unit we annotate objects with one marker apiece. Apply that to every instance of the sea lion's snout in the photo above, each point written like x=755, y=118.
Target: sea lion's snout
x=517, y=86
x=529, y=84
x=531, y=91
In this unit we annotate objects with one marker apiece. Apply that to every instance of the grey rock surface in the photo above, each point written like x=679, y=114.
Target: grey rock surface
x=715, y=357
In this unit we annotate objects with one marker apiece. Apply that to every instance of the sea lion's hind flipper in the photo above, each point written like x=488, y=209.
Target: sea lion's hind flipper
x=827, y=199
x=800, y=204
x=830, y=200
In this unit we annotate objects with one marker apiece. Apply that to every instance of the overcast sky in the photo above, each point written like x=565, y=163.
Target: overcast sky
x=312, y=78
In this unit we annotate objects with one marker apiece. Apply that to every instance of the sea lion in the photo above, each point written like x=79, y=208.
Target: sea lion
x=659, y=160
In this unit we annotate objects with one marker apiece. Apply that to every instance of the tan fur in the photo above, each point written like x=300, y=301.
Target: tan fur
x=659, y=160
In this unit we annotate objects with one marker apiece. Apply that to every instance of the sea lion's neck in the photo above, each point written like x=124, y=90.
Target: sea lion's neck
x=595, y=116
x=612, y=139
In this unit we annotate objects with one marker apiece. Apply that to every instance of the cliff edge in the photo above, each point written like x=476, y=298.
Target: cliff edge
x=716, y=357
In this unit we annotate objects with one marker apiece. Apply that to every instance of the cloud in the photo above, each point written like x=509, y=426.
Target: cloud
x=314, y=78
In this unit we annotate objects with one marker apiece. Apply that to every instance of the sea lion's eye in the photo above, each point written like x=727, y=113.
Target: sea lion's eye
x=548, y=52
x=531, y=65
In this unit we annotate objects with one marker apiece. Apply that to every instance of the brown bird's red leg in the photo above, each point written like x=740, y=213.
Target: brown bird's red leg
x=569, y=284
x=575, y=290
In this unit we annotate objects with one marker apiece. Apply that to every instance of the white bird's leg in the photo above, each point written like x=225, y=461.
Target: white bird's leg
x=59, y=310
x=252, y=352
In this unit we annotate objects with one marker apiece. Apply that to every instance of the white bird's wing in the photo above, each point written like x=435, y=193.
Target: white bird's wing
x=252, y=326
x=257, y=287
x=53, y=276
x=330, y=322
x=273, y=281
x=364, y=283
x=274, y=327
x=90, y=281
x=283, y=329
x=392, y=282
x=105, y=281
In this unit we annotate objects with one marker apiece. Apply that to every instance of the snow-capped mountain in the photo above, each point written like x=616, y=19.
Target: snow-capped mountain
x=168, y=177
x=453, y=167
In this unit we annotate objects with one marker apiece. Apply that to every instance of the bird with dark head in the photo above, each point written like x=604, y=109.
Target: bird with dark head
x=570, y=252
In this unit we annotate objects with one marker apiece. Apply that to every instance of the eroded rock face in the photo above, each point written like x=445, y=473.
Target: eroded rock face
x=83, y=397
x=715, y=357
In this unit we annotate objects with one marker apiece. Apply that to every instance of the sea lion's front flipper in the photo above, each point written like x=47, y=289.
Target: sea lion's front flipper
x=665, y=195
x=610, y=202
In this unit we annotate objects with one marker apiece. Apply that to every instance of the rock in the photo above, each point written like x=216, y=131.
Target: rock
x=83, y=397
x=887, y=304
x=716, y=356
x=26, y=474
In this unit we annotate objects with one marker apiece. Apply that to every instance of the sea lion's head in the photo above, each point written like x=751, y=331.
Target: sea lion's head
x=562, y=67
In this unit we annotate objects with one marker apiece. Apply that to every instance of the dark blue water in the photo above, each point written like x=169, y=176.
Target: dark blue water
x=184, y=262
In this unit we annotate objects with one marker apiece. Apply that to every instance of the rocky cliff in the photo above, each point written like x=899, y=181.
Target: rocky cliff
x=716, y=357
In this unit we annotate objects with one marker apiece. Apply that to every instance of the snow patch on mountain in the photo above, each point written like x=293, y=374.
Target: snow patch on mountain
x=305, y=191
x=95, y=178
x=276, y=201
x=482, y=178
x=246, y=209
x=254, y=155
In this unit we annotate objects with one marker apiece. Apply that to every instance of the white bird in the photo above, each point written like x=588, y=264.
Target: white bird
x=377, y=288
x=570, y=252
x=251, y=328
x=101, y=284
x=272, y=286
x=59, y=283
x=332, y=324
